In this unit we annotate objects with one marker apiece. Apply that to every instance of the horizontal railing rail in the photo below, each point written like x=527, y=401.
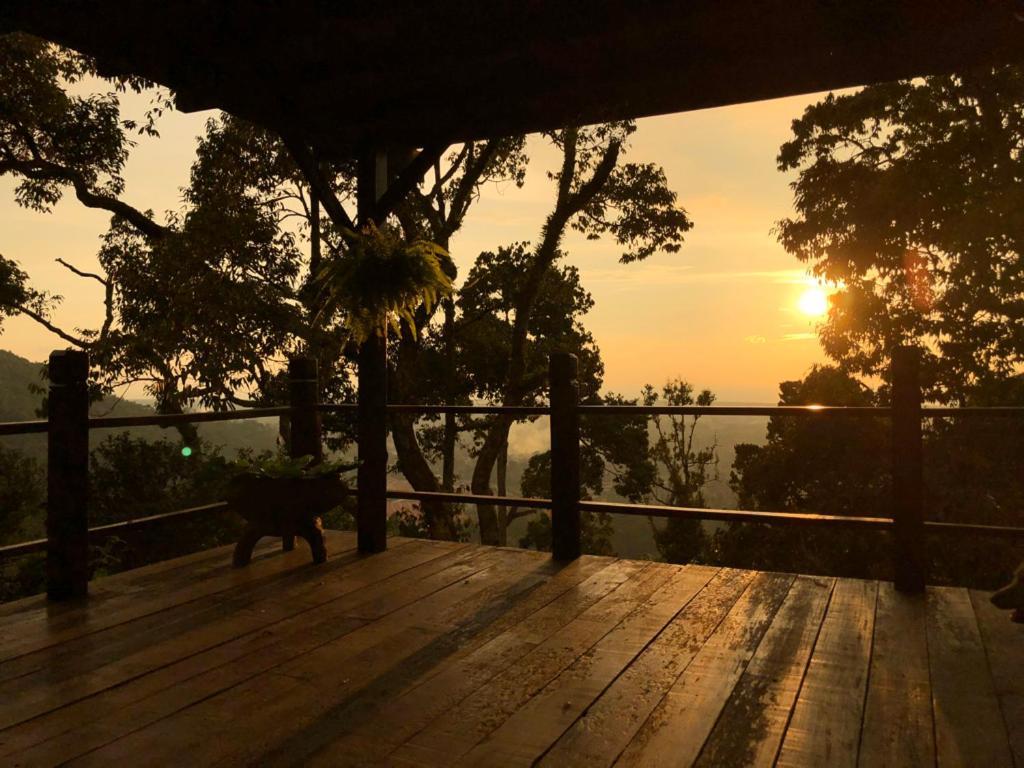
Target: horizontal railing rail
x=198, y=417
x=41, y=426
x=69, y=425
x=38, y=426
x=39, y=545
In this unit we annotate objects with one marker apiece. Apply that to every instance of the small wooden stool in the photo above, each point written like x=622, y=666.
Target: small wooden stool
x=285, y=507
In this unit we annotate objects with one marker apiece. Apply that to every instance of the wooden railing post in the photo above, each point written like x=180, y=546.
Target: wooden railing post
x=67, y=518
x=565, y=457
x=303, y=394
x=910, y=563
x=372, y=510
x=304, y=421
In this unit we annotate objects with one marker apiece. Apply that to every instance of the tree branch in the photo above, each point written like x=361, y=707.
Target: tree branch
x=81, y=273
x=307, y=164
x=408, y=179
x=44, y=169
x=80, y=343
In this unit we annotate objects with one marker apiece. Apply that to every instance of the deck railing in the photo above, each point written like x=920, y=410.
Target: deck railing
x=68, y=426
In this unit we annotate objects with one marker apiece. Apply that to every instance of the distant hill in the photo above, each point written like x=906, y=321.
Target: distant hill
x=18, y=402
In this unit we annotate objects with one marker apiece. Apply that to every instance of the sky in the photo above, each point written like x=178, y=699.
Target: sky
x=731, y=311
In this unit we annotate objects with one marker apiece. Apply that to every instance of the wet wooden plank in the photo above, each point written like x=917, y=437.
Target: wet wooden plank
x=968, y=723
x=535, y=726
x=678, y=727
x=750, y=728
x=372, y=727
x=91, y=663
x=275, y=709
x=41, y=630
x=898, y=727
x=245, y=649
x=93, y=649
x=608, y=725
x=1004, y=649
x=825, y=727
x=455, y=733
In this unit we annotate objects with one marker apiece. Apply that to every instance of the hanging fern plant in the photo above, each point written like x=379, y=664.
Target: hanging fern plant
x=379, y=280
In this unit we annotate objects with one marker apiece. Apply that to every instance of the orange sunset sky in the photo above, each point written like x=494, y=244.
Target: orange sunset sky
x=731, y=311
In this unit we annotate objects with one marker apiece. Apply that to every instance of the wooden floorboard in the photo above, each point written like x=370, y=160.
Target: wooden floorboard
x=240, y=653
x=898, y=726
x=676, y=730
x=750, y=728
x=825, y=726
x=451, y=735
x=266, y=710
x=371, y=729
x=1004, y=649
x=538, y=723
x=43, y=630
x=968, y=722
x=437, y=653
x=609, y=724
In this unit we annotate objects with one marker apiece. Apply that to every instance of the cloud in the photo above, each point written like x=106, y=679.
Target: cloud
x=799, y=336
x=755, y=339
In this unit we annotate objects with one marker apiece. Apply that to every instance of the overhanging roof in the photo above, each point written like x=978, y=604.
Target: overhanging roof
x=414, y=72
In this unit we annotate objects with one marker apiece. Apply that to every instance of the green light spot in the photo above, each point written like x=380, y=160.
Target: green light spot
x=186, y=451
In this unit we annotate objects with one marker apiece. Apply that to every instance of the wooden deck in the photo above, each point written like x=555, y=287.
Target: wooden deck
x=436, y=653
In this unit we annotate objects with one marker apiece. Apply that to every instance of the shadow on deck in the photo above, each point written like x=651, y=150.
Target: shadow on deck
x=436, y=653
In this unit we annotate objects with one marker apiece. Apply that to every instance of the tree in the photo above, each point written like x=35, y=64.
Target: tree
x=22, y=494
x=132, y=477
x=489, y=346
x=681, y=469
x=827, y=464
x=596, y=196
x=908, y=197
x=253, y=200
x=192, y=307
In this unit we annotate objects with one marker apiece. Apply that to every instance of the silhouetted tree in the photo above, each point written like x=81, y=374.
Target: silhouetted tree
x=22, y=493
x=681, y=469
x=822, y=463
x=908, y=197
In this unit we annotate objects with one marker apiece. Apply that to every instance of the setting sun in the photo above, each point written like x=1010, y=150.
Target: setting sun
x=813, y=302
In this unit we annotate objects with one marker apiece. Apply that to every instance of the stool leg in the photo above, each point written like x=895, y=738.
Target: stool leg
x=313, y=532
x=245, y=545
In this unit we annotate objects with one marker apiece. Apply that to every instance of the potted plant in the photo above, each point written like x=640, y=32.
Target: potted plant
x=285, y=497
x=379, y=280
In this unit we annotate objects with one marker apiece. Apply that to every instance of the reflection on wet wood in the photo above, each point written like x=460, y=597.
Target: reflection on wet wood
x=437, y=653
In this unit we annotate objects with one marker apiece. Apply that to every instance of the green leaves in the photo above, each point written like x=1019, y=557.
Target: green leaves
x=911, y=196
x=285, y=467
x=378, y=281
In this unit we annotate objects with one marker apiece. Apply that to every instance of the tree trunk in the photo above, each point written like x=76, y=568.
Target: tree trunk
x=503, y=510
x=413, y=463
x=451, y=432
x=483, y=469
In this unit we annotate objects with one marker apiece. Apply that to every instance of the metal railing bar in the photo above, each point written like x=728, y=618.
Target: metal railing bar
x=514, y=410
x=731, y=410
x=737, y=515
x=39, y=545
x=39, y=426
x=336, y=407
x=469, y=498
x=971, y=411
x=172, y=419
x=1000, y=531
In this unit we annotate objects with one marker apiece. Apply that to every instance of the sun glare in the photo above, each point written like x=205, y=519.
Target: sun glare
x=813, y=302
